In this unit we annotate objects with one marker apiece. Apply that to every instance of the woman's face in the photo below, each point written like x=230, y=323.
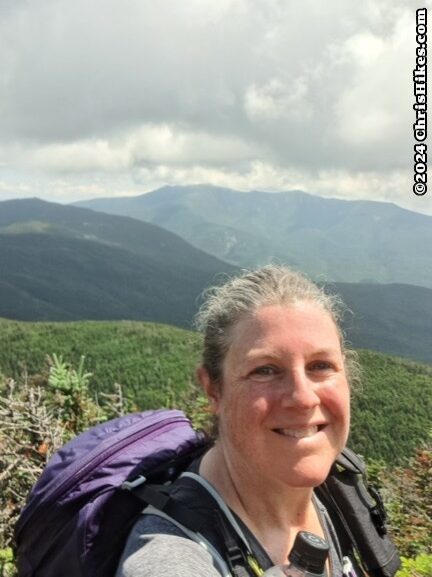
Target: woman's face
x=283, y=406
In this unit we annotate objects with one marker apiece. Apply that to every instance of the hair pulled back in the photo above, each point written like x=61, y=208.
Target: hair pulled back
x=224, y=306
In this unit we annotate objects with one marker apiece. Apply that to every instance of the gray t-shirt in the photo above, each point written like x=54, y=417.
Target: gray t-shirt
x=157, y=548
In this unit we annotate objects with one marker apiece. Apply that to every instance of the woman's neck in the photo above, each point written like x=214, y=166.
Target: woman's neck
x=273, y=511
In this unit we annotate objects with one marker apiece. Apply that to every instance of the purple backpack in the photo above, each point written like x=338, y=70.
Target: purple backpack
x=78, y=516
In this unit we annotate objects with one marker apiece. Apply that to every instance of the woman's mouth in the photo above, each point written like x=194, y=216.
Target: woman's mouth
x=300, y=433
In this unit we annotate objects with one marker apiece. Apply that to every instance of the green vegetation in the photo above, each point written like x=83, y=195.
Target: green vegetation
x=392, y=412
x=7, y=566
x=421, y=566
x=153, y=363
x=407, y=492
x=38, y=414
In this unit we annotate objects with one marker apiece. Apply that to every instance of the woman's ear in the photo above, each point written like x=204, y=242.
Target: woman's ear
x=210, y=388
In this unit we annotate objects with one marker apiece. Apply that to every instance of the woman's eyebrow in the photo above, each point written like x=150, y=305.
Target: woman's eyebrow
x=256, y=354
x=325, y=352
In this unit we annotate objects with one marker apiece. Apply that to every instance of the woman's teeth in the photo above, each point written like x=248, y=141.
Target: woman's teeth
x=298, y=433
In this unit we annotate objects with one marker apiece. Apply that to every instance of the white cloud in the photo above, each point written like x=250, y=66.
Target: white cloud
x=369, y=111
x=276, y=100
x=147, y=144
x=248, y=93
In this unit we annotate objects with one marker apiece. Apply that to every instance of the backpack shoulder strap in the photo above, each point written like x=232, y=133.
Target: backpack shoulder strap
x=205, y=517
x=194, y=536
x=359, y=515
x=221, y=504
x=350, y=461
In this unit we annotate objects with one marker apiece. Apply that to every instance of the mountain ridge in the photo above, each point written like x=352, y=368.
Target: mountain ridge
x=109, y=230
x=98, y=266
x=342, y=240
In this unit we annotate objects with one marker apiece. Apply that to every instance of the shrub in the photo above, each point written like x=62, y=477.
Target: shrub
x=421, y=566
x=37, y=416
x=407, y=492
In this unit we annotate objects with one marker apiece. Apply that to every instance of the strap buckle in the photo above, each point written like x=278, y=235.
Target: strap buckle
x=130, y=485
x=378, y=512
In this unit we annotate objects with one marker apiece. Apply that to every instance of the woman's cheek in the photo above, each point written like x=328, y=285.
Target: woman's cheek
x=261, y=405
x=336, y=399
x=250, y=404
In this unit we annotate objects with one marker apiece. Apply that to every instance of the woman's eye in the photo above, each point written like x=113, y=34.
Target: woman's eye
x=320, y=366
x=265, y=371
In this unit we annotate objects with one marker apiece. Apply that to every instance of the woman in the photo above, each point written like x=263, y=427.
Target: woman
x=276, y=370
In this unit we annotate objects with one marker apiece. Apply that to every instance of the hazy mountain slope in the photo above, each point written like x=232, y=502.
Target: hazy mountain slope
x=350, y=241
x=35, y=215
x=395, y=319
x=56, y=278
x=62, y=263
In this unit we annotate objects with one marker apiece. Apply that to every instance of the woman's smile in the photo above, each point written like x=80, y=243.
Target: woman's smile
x=298, y=433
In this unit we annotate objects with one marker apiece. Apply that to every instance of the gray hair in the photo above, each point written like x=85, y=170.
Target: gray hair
x=224, y=306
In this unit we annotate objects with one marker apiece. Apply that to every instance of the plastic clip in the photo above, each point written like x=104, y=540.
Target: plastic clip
x=129, y=485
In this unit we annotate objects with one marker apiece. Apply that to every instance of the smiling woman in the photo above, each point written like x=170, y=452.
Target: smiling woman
x=283, y=395
x=276, y=371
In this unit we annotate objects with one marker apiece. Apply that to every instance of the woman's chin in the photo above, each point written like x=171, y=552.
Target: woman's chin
x=307, y=475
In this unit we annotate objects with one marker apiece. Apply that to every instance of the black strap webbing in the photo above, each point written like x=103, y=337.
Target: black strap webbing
x=160, y=499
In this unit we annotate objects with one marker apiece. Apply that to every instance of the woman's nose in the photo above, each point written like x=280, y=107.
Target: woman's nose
x=300, y=392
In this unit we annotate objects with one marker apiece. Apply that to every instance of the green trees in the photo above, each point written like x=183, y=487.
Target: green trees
x=150, y=361
x=421, y=566
x=391, y=412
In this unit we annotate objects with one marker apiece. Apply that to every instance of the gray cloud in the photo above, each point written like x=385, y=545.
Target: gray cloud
x=314, y=95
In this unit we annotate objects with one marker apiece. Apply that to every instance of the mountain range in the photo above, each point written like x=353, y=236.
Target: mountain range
x=68, y=263
x=331, y=239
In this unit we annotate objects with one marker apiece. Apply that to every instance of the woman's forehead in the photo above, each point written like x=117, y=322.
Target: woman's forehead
x=301, y=321
x=301, y=311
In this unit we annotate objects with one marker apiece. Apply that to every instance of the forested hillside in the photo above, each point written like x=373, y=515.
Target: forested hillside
x=151, y=361
x=35, y=216
x=394, y=319
x=46, y=277
x=67, y=263
x=155, y=363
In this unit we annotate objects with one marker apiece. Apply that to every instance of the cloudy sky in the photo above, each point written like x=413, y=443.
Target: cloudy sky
x=104, y=98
